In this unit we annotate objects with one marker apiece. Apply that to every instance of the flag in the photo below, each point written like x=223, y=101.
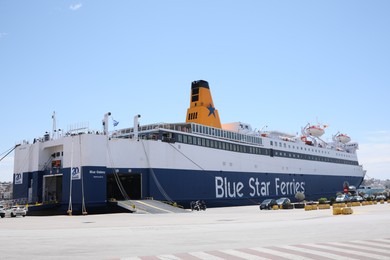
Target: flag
x=115, y=122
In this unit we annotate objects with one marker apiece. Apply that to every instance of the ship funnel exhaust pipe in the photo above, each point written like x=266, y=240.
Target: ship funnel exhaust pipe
x=105, y=123
x=136, y=126
x=202, y=110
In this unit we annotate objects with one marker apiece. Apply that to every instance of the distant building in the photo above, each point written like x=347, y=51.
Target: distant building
x=5, y=190
x=373, y=186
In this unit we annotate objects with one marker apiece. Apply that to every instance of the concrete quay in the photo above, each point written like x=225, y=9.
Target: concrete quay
x=217, y=233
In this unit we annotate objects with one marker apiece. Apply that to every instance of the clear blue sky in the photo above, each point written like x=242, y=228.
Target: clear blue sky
x=276, y=63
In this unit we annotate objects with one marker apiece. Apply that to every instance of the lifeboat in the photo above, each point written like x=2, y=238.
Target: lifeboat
x=343, y=138
x=316, y=131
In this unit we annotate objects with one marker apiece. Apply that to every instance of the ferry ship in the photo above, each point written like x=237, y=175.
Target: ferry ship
x=199, y=159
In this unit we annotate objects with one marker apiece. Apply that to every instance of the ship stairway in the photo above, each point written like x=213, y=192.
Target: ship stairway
x=149, y=207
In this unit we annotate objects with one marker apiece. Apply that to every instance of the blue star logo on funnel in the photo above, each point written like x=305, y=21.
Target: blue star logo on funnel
x=211, y=110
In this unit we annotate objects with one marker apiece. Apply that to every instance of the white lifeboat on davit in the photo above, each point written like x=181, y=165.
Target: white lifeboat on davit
x=343, y=138
x=316, y=131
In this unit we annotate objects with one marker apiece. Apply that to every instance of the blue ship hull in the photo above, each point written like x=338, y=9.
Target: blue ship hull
x=238, y=188
x=183, y=186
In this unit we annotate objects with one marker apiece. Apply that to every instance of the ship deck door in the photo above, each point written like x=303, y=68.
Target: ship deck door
x=52, y=188
x=131, y=183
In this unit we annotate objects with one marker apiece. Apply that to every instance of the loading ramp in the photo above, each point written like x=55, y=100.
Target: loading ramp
x=149, y=207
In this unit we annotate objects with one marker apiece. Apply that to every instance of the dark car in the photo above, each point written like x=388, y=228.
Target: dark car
x=283, y=201
x=268, y=204
x=2, y=211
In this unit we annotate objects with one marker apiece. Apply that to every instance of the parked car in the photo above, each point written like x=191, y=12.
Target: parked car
x=268, y=204
x=2, y=211
x=357, y=199
x=283, y=201
x=380, y=197
x=17, y=211
x=342, y=198
x=368, y=197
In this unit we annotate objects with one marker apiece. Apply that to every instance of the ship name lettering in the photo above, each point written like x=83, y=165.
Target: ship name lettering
x=258, y=188
x=227, y=189
x=96, y=172
x=288, y=188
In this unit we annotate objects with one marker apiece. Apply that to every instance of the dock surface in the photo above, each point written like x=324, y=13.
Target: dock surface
x=217, y=233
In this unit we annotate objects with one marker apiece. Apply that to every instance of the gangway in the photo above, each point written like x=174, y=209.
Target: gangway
x=149, y=207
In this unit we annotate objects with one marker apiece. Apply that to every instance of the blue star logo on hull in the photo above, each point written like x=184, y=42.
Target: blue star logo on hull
x=211, y=110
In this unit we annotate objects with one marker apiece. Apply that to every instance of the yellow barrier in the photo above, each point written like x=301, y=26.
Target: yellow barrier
x=342, y=211
x=382, y=202
x=337, y=211
x=339, y=205
x=275, y=207
x=323, y=206
x=346, y=211
x=355, y=204
x=311, y=207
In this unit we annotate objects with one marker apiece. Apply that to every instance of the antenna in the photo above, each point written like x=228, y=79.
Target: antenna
x=53, y=117
x=261, y=129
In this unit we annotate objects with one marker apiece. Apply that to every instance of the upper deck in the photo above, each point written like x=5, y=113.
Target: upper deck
x=270, y=144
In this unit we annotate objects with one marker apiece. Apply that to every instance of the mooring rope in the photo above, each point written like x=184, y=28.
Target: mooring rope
x=159, y=186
